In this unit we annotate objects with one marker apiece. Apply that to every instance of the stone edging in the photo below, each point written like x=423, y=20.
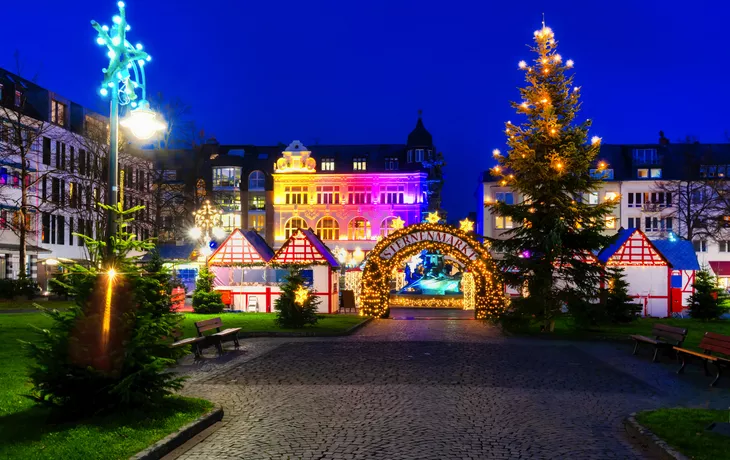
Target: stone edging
x=653, y=442
x=180, y=437
x=250, y=334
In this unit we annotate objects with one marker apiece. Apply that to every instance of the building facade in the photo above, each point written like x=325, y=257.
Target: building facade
x=666, y=190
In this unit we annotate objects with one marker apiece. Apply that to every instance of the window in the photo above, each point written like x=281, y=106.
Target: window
x=409, y=156
x=391, y=164
x=505, y=197
x=80, y=232
x=635, y=222
x=58, y=113
x=229, y=201
x=642, y=173
x=256, y=180
x=296, y=194
x=96, y=128
x=227, y=177
x=724, y=245
x=237, y=152
x=328, y=229
x=55, y=190
x=256, y=202
x=604, y=174
x=292, y=225
x=656, y=224
x=700, y=245
x=359, y=164
x=71, y=231
x=169, y=175
x=328, y=164
x=593, y=198
x=60, y=230
x=635, y=200
x=655, y=173
x=386, y=227
x=46, y=228
x=610, y=196
x=419, y=155
x=358, y=229
x=257, y=222
x=18, y=98
x=610, y=222
x=502, y=222
x=359, y=195
x=392, y=194
x=230, y=220
x=46, y=151
x=3, y=219
x=697, y=196
x=328, y=194
x=645, y=156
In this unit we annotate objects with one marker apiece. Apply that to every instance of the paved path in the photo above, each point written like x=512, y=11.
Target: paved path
x=433, y=390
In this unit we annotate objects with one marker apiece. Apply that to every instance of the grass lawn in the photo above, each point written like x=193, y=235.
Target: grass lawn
x=26, y=433
x=264, y=322
x=28, y=304
x=684, y=429
x=564, y=328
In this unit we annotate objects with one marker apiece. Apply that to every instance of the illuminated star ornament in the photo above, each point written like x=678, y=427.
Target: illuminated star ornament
x=397, y=223
x=466, y=225
x=301, y=295
x=433, y=217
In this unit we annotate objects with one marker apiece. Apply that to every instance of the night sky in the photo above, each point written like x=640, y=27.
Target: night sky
x=336, y=71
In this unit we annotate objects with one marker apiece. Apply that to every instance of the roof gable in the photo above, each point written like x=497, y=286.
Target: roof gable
x=242, y=248
x=304, y=247
x=632, y=247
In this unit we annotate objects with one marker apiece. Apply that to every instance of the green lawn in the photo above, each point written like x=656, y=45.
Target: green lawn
x=684, y=429
x=28, y=304
x=564, y=328
x=264, y=322
x=27, y=433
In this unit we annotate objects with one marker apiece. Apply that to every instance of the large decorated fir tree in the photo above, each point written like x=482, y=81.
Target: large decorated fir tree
x=549, y=250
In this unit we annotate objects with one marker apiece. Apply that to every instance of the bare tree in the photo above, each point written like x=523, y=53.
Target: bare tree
x=693, y=204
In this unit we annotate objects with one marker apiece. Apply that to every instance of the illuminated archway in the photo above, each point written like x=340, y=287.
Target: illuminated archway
x=393, y=250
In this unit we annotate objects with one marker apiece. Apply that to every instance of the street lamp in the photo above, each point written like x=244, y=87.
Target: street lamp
x=122, y=79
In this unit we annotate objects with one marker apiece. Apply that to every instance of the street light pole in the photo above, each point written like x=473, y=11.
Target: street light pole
x=112, y=186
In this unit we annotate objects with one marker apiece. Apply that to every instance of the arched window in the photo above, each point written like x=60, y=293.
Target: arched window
x=359, y=229
x=386, y=227
x=328, y=229
x=292, y=225
x=256, y=180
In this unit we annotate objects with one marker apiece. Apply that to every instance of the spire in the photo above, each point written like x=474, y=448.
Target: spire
x=420, y=137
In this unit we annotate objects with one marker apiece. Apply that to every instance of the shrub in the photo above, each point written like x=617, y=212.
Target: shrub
x=205, y=298
x=294, y=307
x=10, y=289
x=620, y=306
x=707, y=300
x=111, y=350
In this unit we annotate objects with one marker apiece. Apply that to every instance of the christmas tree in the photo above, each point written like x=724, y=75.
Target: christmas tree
x=205, y=298
x=707, y=300
x=296, y=307
x=549, y=250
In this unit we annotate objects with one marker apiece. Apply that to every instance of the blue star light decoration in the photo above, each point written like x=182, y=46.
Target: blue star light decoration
x=125, y=73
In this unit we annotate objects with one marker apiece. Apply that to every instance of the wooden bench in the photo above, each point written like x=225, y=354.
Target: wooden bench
x=194, y=342
x=219, y=336
x=710, y=343
x=665, y=338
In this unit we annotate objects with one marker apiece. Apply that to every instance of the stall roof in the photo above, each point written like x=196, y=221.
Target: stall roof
x=242, y=247
x=304, y=247
x=631, y=246
x=680, y=253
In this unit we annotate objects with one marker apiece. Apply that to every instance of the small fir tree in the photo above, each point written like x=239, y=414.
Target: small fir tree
x=549, y=167
x=111, y=350
x=296, y=307
x=707, y=301
x=205, y=298
x=619, y=305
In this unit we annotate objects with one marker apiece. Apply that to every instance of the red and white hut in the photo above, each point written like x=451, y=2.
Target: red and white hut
x=660, y=272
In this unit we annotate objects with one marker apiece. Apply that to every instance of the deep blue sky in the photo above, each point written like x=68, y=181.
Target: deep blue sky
x=358, y=71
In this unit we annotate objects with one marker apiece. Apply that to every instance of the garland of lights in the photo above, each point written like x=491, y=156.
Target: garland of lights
x=489, y=298
x=467, y=287
x=353, y=282
x=404, y=301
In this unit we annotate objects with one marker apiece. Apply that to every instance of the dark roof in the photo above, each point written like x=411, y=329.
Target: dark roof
x=619, y=239
x=679, y=253
x=420, y=137
x=259, y=244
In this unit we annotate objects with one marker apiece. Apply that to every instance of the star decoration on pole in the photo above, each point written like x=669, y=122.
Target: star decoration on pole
x=301, y=295
x=397, y=223
x=466, y=225
x=433, y=217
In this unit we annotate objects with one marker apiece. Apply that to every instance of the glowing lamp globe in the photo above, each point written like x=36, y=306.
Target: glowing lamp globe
x=143, y=122
x=195, y=233
x=219, y=233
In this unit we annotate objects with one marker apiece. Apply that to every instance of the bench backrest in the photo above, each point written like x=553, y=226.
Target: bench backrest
x=208, y=324
x=716, y=342
x=675, y=335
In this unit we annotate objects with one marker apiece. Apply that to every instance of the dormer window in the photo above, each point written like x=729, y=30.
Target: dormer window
x=58, y=112
x=359, y=164
x=409, y=156
x=18, y=98
x=391, y=164
x=419, y=155
x=328, y=164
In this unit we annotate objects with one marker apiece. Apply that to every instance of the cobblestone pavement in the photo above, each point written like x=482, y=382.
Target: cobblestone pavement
x=432, y=390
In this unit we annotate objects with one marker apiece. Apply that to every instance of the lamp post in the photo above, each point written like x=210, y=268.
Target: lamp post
x=122, y=79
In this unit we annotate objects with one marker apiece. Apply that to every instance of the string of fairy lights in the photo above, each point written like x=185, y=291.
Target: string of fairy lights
x=488, y=294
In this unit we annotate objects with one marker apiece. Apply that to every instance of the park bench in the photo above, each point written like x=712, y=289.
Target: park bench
x=219, y=336
x=194, y=342
x=664, y=338
x=711, y=342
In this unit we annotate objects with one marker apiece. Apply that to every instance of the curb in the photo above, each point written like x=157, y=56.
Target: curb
x=180, y=437
x=648, y=439
x=250, y=334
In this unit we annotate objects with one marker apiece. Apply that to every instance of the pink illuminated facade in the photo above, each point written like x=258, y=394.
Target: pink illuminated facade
x=349, y=211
